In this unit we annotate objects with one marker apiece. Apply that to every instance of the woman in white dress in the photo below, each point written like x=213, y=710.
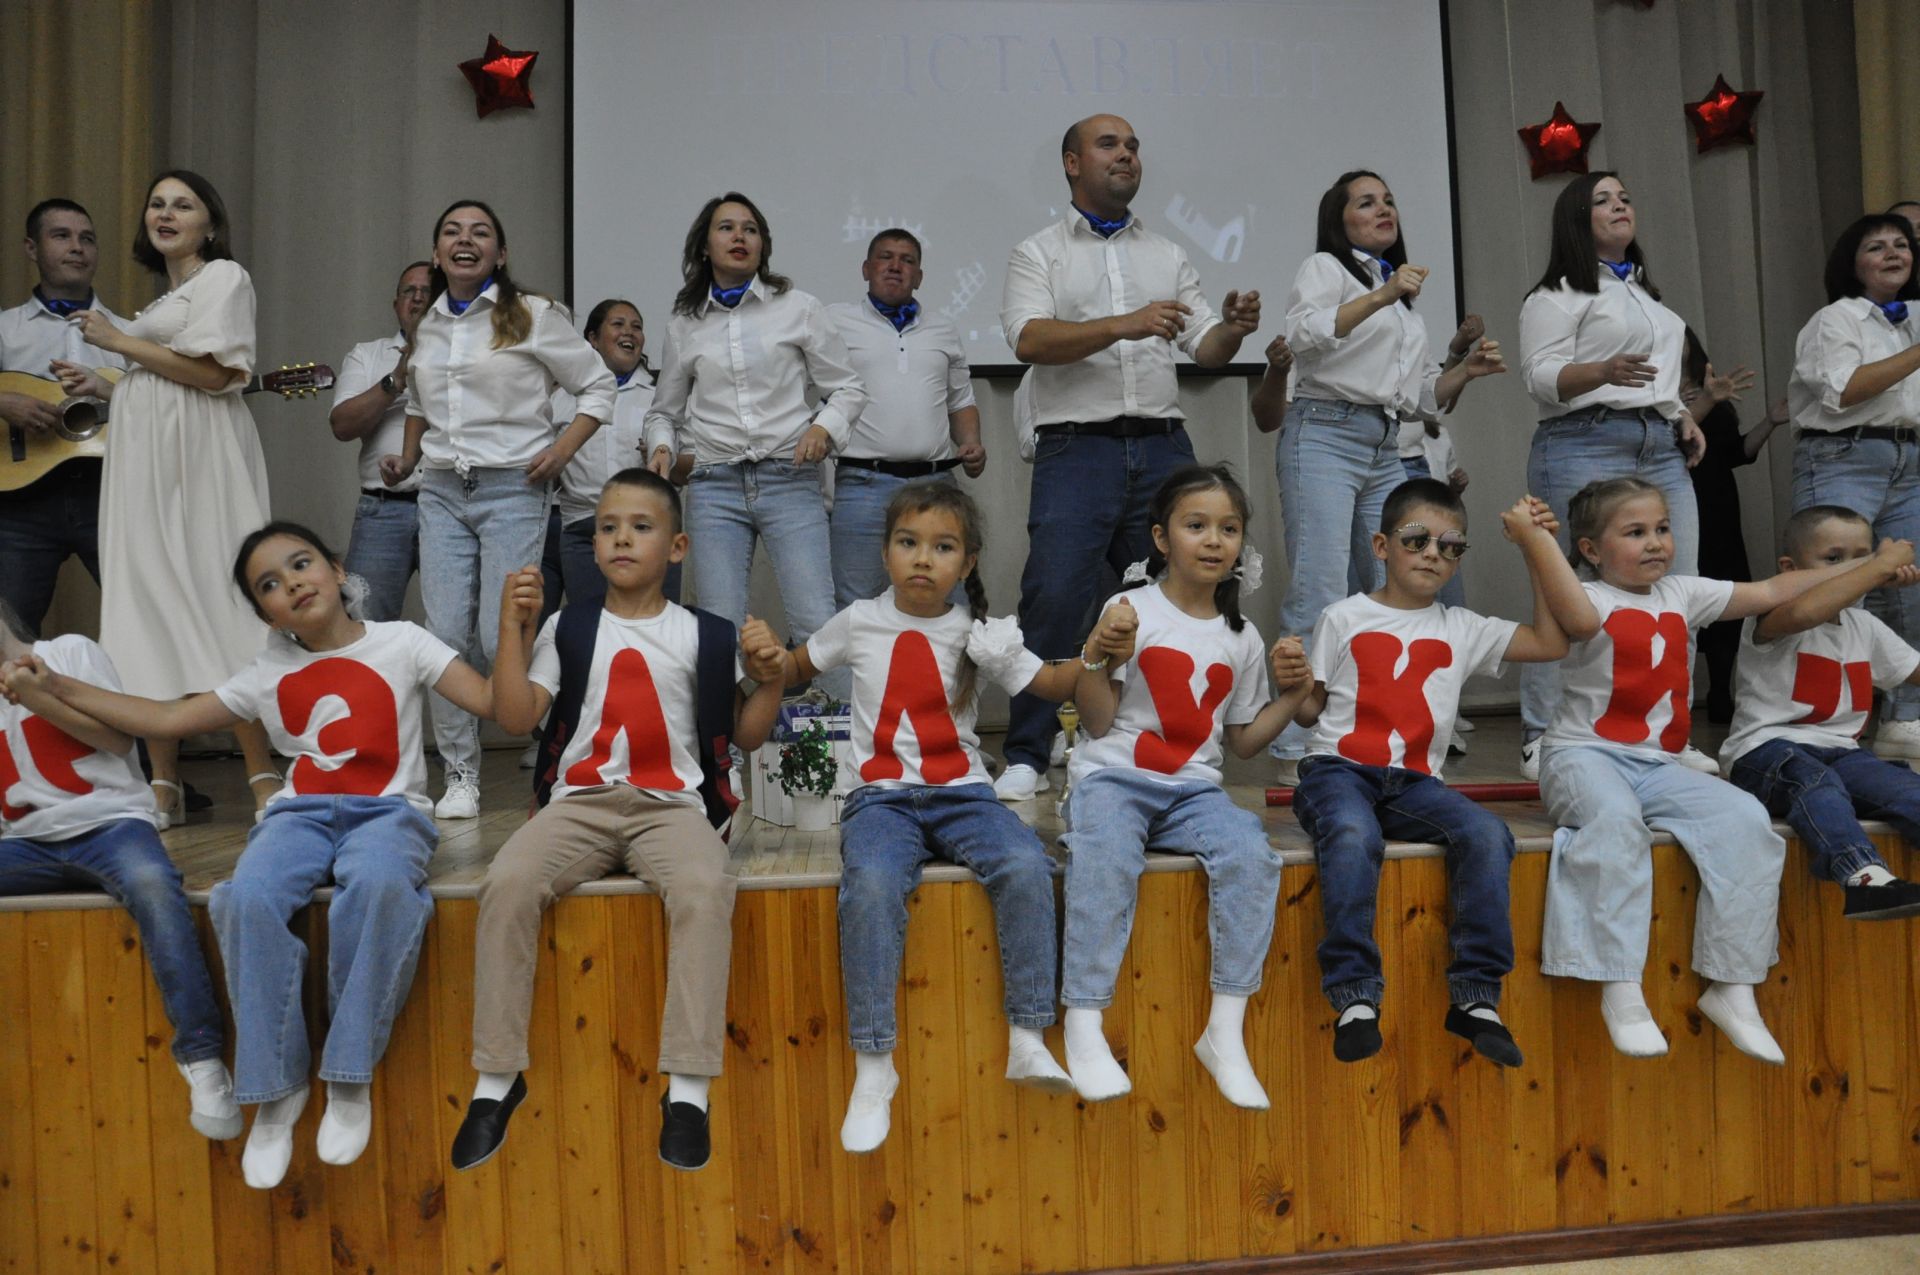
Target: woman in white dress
x=184, y=479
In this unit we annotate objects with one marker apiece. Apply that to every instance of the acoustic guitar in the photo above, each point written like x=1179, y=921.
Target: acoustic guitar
x=81, y=431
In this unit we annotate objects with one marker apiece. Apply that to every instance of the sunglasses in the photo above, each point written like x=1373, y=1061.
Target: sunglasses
x=1414, y=538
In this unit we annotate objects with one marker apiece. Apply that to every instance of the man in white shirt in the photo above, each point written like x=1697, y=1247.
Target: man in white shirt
x=58, y=516
x=1096, y=302
x=370, y=406
x=919, y=421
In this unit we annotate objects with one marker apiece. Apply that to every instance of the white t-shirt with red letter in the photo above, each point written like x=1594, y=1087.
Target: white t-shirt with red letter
x=1394, y=678
x=1630, y=684
x=349, y=718
x=906, y=676
x=1188, y=679
x=638, y=717
x=1814, y=687
x=52, y=786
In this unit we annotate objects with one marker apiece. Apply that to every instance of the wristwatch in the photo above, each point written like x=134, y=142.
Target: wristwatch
x=386, y=383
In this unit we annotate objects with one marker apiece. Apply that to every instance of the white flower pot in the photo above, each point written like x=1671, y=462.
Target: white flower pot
x=811, y=813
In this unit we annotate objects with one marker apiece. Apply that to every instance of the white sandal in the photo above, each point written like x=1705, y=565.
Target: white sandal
x=174, y=813
x=255, y=778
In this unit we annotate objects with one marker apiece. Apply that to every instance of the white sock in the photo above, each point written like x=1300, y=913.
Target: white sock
x=269, y=1148
x=1222, y=1050
x=347, y=1123
x=1359, y=1009
x=1097, y=1076
x=874, y=1073
x=1030, y=1062
x=691, y=1089
x=869, y=1109
x=1731, y=1008
x=1872, y=874
x=1629, y=1022
x=493, y=1085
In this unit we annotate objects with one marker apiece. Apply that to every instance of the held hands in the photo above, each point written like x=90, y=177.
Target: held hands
x=973, y=459
x=1240, y=311
x=1471, y=329
x=23, y=676
x=1279, y=356
x=812, y=448
x=1628, y=370
x=1406, y=282
x=97, y=330
x=1895, y=557
x=1530, y=516
x=1164, y=319
x=1112, y=638
x=81, y=382
x=1287, y=662
x=761, y=653
x=521, y=597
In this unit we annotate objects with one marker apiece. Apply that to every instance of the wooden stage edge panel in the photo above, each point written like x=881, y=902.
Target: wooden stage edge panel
x=1424, y=1157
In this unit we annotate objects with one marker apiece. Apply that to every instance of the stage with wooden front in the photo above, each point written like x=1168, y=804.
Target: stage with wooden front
x=1425, y=1145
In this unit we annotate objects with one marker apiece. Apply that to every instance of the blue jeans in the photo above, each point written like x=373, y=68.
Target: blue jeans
x=41, y=526
x=472, y=533
x=860, y=498
x=384, y=550
x=375, y=849
x=1088, y=507
x=1116, y=815
x=734, y=506
x=886, y=835
x=1880, y=480
x=1350, y=810
x=1573, y=450
x=1600, y=881
x=1454, y=592
x=1823, y=793
x=1336, y=462
x=125, y=858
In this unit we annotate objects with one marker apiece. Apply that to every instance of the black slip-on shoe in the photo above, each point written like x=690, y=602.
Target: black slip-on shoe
x=485, y=1126
x=684, y=1140
x=1490, y=1039
x=1887, y=902
x=1357, y=1038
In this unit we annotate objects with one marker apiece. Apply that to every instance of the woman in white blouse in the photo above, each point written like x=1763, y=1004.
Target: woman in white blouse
x=1856, y=401
x=1360, y=368
x=742, y=348
x=1602, y=359
x=486, y=360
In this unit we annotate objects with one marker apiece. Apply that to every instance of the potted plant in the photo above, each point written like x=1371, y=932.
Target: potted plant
x=807, y=771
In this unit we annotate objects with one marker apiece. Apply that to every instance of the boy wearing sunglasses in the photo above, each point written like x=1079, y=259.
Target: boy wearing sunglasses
x=1388, y=668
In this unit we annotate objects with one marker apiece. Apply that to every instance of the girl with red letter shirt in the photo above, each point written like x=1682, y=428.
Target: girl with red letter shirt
x=923, y=790
x=1609, y=773
x=1149, y=775
x=342, y=697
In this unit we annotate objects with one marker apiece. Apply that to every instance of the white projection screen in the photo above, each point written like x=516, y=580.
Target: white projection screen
x=841, y=117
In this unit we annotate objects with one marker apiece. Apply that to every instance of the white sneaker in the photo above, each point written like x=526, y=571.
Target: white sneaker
x=1456, y=744
x=1019, y=782
x=1057, y=755
x=1530, y=760
x=215, y=1114
x=462, y=799
x=1898, y=739
x=531, y=757
x=1464, y=725
x=1693, y=759
x=1288, y=773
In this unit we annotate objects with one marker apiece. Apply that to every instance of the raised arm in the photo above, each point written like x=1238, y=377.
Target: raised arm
x=1110, y=645
x=1889, y=564
x=1269, y=402
x=128, y=714
x=1293, y=679
x=34, y=695
x=1531, y=525
x=1763, y=596
x=518, y=704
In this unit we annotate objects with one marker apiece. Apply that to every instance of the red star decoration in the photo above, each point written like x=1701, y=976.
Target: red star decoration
x=499, y=77
x=1559, y=145
x=1724, y=117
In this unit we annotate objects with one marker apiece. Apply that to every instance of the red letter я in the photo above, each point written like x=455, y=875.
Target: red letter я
x=632, y=706
x=367, y=738
x=1184, y=725
x=1385, y=705
x=1639, y=683
x=54, y=752
x=1816, y=683
x=915, y=691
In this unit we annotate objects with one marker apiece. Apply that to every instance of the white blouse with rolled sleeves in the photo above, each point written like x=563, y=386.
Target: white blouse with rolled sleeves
x=1837, y=341
x=1382, y=362
x=1559, y=326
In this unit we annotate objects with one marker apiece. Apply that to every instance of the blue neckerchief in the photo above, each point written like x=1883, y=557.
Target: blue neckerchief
x=621, y=378
x=1386, y=267
x=63, y=308
x=1101, y=226
x=458, y=306
x=1622, y=270
x=1896, y=312
x=730, y=297
x=898, y=315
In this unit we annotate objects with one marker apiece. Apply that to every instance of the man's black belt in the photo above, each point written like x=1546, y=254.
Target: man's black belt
x=1883, y=433
x=899, y=468
x=1118, y=427
x=380, y=493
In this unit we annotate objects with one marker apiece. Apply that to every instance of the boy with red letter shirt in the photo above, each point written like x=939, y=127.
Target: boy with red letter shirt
x=1388, y=669
x=626, y=792
x=1804, y=688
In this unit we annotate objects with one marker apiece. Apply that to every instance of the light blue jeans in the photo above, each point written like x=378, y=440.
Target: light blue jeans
x=473, y=532
x=1336, y=462
x=887, y=835
x=1600, y=881
x=385, y=552
x=1116, y=815
x=1880, y=480
x=734, y=506
x=375, y=849
x=860, y=498
x=1573, y=450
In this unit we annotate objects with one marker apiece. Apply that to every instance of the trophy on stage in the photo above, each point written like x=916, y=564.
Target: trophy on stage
x=1069, y=717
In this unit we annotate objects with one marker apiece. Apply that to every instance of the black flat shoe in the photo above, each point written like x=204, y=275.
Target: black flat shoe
x=1889, y=902
x=1357, y=1038
x=1491, y=1040
x=485, y=1127
x=684, y=1140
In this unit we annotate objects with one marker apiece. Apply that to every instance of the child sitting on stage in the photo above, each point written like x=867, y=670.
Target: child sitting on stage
x=75, y=811
x=1805, y=683
x=1388, y=669
x=631, y=775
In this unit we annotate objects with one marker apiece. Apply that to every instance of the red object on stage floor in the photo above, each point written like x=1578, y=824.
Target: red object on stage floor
x=499, y=77
x=1724, y=117
x=1473, y=792
x=1559, y=145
